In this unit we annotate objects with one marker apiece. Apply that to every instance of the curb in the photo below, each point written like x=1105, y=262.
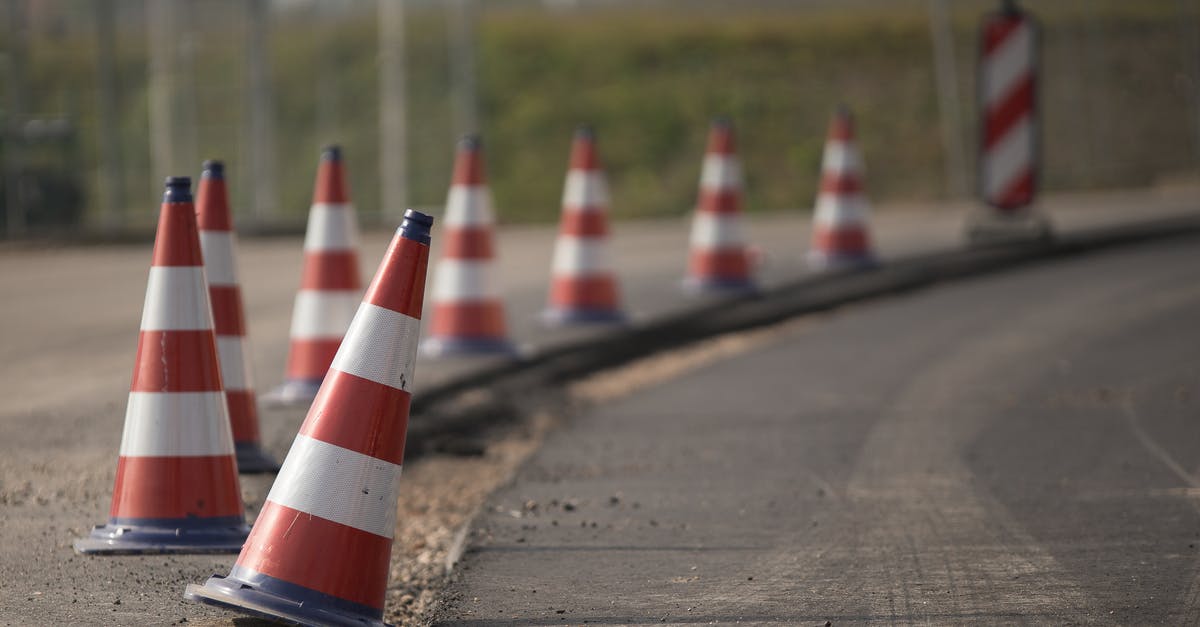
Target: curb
x=510, y=382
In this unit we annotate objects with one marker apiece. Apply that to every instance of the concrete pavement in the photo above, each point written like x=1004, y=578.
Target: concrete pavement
x=1019, y=448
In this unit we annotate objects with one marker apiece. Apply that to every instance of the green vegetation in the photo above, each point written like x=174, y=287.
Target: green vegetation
x=1118, y=94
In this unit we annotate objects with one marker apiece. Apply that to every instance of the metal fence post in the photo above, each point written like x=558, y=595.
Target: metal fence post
x=112, y=171
x=954, y=148
x=15, y=119
x=261, y=149
x=393, y=111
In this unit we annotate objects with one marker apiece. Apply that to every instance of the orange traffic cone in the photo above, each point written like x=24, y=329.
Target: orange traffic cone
x=319, y=551
x=219, y=244
x=177, y=486
x=468, y=315
x=840, y=238
x=329, y=287
x=719, y=260
x=583, y=288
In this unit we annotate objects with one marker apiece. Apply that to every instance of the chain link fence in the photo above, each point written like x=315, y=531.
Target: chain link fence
x=102, y=99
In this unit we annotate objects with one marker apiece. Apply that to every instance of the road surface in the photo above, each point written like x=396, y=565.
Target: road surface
x=70, y=317
x=1019, y=448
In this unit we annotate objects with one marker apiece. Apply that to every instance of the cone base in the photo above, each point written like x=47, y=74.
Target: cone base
x=560, y=316
x=293, y=393
x=717, y=285
x=240, y=596
x=830, y=262
x=986, y=227
x=118, y=539
x=252, y=459
x=466, y=347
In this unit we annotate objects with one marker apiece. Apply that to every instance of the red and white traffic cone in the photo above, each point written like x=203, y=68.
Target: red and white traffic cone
x=840, y=239
x=330, y=287
x=219, y=243
x=468, y=314
x=320, y=550
x=719, y=260
x=177, y=487
x=583, y=288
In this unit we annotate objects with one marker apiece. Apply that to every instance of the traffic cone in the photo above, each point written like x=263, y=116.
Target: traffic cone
x=583, y=288
x=719, y=260
x=218, y=243
x=330, y=287
x=840, y=239
x=468, y=315
x=177, y=487
x=320, y=550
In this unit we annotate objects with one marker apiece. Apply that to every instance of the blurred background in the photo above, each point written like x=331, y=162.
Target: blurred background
x=102, y=99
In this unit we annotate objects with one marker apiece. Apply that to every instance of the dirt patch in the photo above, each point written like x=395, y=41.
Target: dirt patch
x=439, y=496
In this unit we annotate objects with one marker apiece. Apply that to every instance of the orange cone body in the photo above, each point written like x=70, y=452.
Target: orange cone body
x=840, y=238
x=719, y=260
x=468, y=314
x=177, y=488
x=219, y=245
x=583, y=288
x=319, y=551
x=330, y=286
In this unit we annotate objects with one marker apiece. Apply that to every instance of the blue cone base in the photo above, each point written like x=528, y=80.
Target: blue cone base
x=294, y=392
x=219, y=535
x=717, y=285
x=466, y=347
x=251, y=459
x=555, y=316
x=284, y=601
x=826, y=261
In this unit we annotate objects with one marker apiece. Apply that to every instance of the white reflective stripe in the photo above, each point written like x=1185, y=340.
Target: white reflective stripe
x=585, y=189
x=580, y=256
x=331, y=227
x=381, y=345
x=235, y=370
x=464, y=279
x=841, y=210
x=1008, y=159
x=468, y=205
x=841, y=157
x=1008, y=64
x=716, y=230
x=323, y=313
x=721, y=172
x=176, y=424
x=217, y=247
x=338, y=484
x=176, y=300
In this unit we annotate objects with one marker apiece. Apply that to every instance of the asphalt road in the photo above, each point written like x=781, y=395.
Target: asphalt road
x=71, y=314
x=1022, y=448
x=70, y=317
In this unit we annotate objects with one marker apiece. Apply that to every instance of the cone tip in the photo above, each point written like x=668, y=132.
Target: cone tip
x=585, y=131
x=213, y=169
x=842, y=109
x=179, y=189
x=470, y=142
x=722, y=121
x=332, y=152
x=416, y=226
